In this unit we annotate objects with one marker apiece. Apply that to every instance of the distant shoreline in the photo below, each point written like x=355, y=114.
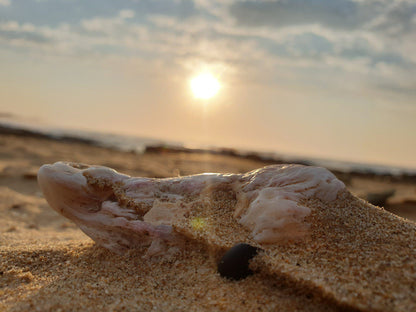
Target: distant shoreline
x=161, y=148
x=10, y=130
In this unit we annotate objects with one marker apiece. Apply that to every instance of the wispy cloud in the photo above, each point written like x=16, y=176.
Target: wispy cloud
x=14, y=33
x=371, y=38
x=5, y=2
x=390, y=17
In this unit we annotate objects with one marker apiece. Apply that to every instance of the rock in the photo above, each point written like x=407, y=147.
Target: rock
x=379, y=199
x=121, y=212
x=235, y=262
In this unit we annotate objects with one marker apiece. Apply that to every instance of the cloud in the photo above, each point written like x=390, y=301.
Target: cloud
x=127, y=14
x=109, y=26
x=15, y=33
x=309, y=44
x=23, y=36
x=5, y=2
x=53, y=13
x=337, y=14
x=279, y=38
x=385, y=16
x=398, y=18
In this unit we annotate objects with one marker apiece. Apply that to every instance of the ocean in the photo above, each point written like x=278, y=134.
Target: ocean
x=138, y=144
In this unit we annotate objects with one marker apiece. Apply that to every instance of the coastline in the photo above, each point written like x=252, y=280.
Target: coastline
x=149, y=145
x=50, y=264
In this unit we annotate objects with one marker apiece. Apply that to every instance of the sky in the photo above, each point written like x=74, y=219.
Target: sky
x=318, y=78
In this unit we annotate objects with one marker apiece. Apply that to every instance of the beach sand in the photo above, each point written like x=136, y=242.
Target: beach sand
x=48, y=264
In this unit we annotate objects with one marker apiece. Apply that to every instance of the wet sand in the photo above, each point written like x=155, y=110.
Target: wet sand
x=48, y=264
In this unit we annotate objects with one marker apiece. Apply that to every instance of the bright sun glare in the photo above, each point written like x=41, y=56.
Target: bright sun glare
x=205, y=86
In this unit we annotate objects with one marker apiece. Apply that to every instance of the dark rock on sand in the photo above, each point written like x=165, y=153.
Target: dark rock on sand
x=235, y=262
x=380, y=198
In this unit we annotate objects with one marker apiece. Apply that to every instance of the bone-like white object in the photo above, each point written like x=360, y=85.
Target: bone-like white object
x=119, y=212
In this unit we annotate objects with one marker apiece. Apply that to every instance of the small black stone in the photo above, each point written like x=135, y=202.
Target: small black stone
x=234, y=263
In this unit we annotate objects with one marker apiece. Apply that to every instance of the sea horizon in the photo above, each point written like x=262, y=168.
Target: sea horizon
x=138, y=144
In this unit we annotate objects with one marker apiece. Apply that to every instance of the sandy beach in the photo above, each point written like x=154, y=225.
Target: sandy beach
x=48, y=264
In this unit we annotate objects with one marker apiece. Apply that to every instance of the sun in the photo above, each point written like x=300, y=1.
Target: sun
x=205, y=86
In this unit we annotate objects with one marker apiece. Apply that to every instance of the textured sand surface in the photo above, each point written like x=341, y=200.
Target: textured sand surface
x=79, y=276
x=48, y=264
x=357, y=254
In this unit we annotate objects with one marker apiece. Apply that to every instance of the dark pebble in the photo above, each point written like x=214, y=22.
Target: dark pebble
x=234, y=264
